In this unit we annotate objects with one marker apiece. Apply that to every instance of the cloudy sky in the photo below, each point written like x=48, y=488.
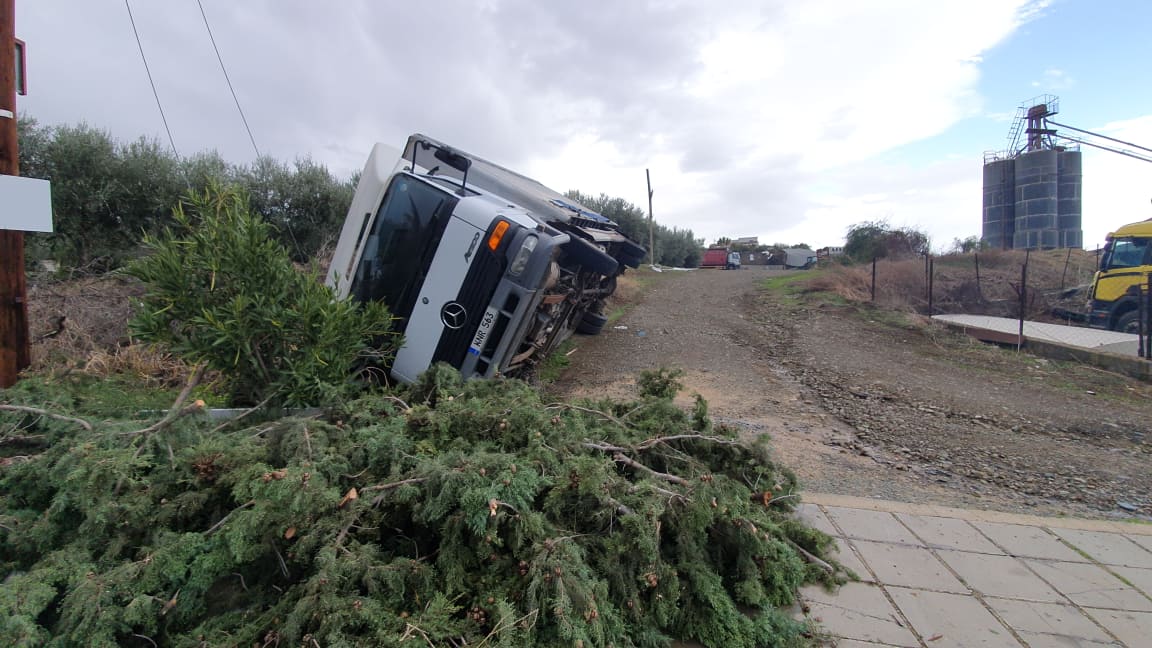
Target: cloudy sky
x=781, y=119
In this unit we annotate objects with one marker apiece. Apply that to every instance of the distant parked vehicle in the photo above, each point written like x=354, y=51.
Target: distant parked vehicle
x=799, y=258
x=715, y=257
x=733, y=261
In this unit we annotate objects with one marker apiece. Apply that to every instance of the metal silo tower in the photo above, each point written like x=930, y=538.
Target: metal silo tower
x=1032, y=190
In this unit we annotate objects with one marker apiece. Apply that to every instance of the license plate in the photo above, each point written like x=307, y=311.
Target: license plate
x=482, y=332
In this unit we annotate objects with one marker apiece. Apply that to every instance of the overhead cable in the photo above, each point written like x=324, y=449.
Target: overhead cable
x=155, y=94
x=226, y=78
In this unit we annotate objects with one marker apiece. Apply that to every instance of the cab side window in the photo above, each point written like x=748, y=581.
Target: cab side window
x=1129, y=253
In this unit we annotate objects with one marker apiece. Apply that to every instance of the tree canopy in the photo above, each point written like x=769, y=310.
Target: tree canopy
x=107, y=195
x=877, y=240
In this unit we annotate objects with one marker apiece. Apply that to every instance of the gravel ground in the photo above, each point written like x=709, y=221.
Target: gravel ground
x=877, y=404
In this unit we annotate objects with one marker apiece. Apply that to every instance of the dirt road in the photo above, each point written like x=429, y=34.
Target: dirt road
x=879, y=404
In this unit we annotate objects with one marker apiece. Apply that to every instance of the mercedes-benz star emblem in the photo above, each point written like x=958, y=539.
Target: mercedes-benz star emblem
x=453, y=315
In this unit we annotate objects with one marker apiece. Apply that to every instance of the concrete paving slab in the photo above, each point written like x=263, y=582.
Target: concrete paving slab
x=858, y=611
x=1141, y=579
x=977, y=515
x=999, y=576
x=1077, y=336
x=951, y=619
x=909, y=566
x=1089, y=585
x=1049, y=624
x=849, y=559
x=879, y=526
x=815, y=518
x=852, y=643
x=1028, y=541
x=948, y=533
x=1143, y=541
x=1133, y=628
x=1108, y=548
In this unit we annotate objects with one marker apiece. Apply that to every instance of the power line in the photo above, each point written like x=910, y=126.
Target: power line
x=225, y=71
x=150, y=81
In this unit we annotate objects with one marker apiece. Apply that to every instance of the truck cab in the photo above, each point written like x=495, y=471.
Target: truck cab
x=1124, y=267
x=733, y=261
x=480, y=267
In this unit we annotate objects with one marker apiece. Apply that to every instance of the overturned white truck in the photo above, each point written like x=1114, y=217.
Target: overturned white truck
x=483, y=268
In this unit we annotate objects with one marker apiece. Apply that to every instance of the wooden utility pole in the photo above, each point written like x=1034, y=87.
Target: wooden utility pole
x=651, y=226
x=15, y=353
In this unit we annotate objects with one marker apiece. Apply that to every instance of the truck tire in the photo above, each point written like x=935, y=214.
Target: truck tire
x=591, y=323
x=590, y=257
x=1128, y=323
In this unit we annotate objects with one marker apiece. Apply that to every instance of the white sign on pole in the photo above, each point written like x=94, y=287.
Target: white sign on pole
x=25, y=204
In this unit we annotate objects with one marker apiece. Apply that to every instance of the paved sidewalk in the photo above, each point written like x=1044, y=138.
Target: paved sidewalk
x=1077, y=336
x=934, y=577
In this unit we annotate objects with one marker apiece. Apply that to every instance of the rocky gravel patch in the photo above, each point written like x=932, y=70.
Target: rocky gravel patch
x=861, y=402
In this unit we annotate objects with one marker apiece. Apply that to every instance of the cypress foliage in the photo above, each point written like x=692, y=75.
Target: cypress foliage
x=446, y=513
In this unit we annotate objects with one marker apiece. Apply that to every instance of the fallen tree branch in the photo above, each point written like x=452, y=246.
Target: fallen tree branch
x=811, y=559
x=603, y=447
x=621, y=508
x=23, y=440
x=241, y=415
x=177, y=410
x=621, y=458
x=39, y=412
x=587, y=410
x=644, y=445
x=391, y=485
x=216, y=527
x=385, y=487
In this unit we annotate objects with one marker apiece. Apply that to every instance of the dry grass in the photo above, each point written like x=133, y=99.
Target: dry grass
x=94, y=338
x=901, y=284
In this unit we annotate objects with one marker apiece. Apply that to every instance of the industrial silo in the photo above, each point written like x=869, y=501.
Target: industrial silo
x=999, y=203
x=1036, y=200
x=1068, y=210
x=1032, y=190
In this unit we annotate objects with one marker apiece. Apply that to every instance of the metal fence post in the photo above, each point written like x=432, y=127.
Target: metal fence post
x=1023, y=300
x=1141, y=321
x=1065, y=273
x=931, y=281
x=925, y=275
x=1148, y=316
x=873, y=278
x=979, y=290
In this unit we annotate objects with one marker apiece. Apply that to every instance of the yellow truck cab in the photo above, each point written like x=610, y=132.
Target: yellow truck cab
x=1124, y=267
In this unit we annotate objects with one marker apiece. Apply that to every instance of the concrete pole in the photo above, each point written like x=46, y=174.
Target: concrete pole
x=15, y=353
x=651, y=226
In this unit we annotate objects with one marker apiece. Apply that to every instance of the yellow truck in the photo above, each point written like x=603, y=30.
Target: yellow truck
x=1124, y=267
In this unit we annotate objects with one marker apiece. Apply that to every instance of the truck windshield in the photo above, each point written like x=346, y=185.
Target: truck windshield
x=1125, y=253
x=401, y=244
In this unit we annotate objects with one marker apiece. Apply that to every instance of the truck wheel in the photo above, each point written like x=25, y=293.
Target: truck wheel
x=591, y=323
x=1128, y=323
x=590, y=257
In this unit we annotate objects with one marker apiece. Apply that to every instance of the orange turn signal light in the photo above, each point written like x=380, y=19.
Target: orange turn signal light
x=497, y=235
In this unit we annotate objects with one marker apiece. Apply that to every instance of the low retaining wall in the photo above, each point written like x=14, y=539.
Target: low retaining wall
x=1130, y=366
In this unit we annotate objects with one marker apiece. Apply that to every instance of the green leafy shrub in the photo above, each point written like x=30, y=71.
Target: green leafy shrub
x=221, y=291
x=445, y=513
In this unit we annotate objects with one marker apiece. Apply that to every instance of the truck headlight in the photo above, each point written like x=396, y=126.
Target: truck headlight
x=522, y=256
